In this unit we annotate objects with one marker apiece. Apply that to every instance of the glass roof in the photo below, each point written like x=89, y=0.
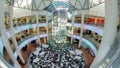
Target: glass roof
x=78, y=4
x=60, y=5
x=52, y=5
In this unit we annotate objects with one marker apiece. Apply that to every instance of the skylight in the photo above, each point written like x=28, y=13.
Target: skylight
x=61, y=0
x=60, y=5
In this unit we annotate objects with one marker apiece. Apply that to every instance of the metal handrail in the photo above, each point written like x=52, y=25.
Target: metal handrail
x=114, y=52
x=117, y=40
x=113, y=59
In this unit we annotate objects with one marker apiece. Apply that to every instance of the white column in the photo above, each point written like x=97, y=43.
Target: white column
x=65, y=23
x=47, y=27
x=73, y=18
x=4, y=35
x=82, y=28
x=16, y=22
x=59, y=20
x=27, y=24
x=111, y=21
x=95, y=21
x=12, y=31
x=59, y=16
x=38, y=32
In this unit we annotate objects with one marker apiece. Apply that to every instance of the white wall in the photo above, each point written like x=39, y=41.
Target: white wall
x=98, y=10
x=23, y=12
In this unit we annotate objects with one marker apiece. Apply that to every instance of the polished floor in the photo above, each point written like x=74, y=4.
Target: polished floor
x=31, y=47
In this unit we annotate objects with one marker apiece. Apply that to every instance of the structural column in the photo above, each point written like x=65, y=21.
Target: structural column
x=95, y=21
x=38, y=31
x=59, y=19
x=47, y=27
x=82, y=28
x=13, y=35
x=111, y=21
x=27, y=19
x=16, y=22
x=63, y=26
x=73, y=18
x=4, y=36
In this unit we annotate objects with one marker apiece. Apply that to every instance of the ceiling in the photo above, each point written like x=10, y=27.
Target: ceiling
x=51, y=5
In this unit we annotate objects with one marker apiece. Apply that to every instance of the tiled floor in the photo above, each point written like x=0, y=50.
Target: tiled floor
x=26, y=54
x=88, y=58
x=31, y=47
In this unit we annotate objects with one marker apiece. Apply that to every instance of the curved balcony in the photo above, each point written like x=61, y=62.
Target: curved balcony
x=26, y=27
x=89, y=27
x=34, y=37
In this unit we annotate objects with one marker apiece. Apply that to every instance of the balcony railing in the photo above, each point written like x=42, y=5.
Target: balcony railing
x=112, y=57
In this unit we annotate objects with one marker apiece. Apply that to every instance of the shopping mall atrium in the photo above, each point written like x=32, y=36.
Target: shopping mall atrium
x=59, y=34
